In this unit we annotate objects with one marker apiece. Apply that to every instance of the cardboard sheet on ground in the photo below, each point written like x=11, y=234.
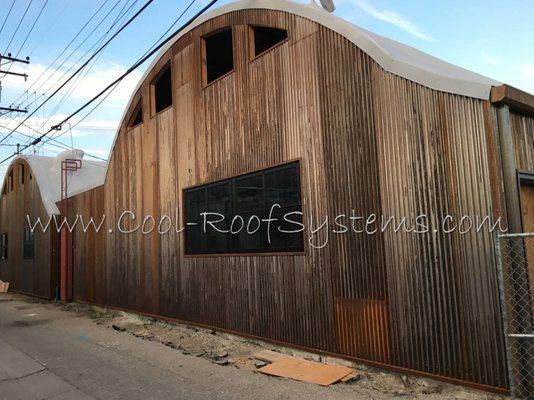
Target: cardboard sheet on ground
x=306, y=371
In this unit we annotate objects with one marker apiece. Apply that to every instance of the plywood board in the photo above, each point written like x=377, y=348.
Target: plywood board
x=306, y=371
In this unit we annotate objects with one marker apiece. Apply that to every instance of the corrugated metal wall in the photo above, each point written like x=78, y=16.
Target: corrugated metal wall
x=367, y=141
x=34, y=276
x=523, y=131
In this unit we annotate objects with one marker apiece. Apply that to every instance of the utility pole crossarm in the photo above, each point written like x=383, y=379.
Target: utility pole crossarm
x=13, y=59
x=14, y=73
x=13, y=109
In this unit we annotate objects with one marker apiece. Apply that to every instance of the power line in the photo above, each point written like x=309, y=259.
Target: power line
x=31, y=29
x=47, y=30
x=73, y=87
x=7, y=16
x=18, y=26
x=64, y=49
x=98, y=42
x=57, y=143
x=74, y=51
x=140, y=61
x=84, y=64
x=132, y=68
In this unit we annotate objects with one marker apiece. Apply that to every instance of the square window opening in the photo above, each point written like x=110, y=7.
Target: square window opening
x=218, y=55
x=162, y=89
x=266, y=38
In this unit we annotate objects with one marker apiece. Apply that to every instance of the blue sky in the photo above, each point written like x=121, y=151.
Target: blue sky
x=493, y=38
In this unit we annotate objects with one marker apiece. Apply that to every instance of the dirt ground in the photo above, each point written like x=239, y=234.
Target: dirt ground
x=236, y=352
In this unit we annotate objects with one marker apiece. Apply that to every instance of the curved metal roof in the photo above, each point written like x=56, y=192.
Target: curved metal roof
x=395, y=57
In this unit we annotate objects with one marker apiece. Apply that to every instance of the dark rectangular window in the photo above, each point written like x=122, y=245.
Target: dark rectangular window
x=10, y=182
x=163, y=89
x=3, y=246
x=266, y=38
x=248, y=199
x=218, y=55
x=28, y=244
x=22, y=174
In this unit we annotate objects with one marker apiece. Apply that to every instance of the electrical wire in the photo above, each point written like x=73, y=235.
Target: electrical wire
x=69, y=92
x=81, y=67
x=18, y=26
x=121, y=15
x=47, y=30
x=31, y=29
x=141, y=58
x=132, y=68
x=54, y=142
x=7, y=16
x=64, y=50
x=65, y=73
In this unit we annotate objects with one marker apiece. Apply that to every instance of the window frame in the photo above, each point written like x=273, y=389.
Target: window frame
x=251, y=35
x=203, y=57
x=4, y=246
x=231, y=179
x=166, y=66
x=26, y=243
x=10, y=181
x=138, y=107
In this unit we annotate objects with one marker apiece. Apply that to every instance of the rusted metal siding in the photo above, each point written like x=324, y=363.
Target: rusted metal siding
x=443, y=297
x=367, y=141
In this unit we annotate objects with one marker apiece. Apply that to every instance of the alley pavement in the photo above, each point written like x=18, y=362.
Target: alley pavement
x=48, y=353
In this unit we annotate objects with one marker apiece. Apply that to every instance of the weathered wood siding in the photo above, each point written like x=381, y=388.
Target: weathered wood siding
x=32, y=276
x=367, y=141
x=523, y=131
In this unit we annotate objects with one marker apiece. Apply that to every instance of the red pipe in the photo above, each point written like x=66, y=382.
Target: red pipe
x=66, y=276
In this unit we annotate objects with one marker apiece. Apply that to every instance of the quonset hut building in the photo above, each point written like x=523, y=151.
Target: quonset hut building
x=30, y=255
x=262, y=102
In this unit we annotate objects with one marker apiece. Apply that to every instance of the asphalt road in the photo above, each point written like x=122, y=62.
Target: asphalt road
x=48, y=353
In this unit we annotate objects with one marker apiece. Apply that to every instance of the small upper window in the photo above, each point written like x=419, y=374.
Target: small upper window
x=137, y=116
x=22, y=174
x=266, y=38
x=162, y=89
x=10, y=182
x=28, y=244
x=3, y=246
x=218, y=55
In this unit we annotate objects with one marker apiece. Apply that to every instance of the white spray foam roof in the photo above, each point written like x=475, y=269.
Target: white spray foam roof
x=47, y=172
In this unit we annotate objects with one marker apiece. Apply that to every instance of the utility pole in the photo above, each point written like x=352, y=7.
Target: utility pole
x=13, y=60
x=10, y=59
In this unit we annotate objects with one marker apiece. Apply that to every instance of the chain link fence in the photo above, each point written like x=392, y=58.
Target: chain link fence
x=516, y=286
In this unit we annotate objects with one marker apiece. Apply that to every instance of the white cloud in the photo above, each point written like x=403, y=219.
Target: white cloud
x=391, y=17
